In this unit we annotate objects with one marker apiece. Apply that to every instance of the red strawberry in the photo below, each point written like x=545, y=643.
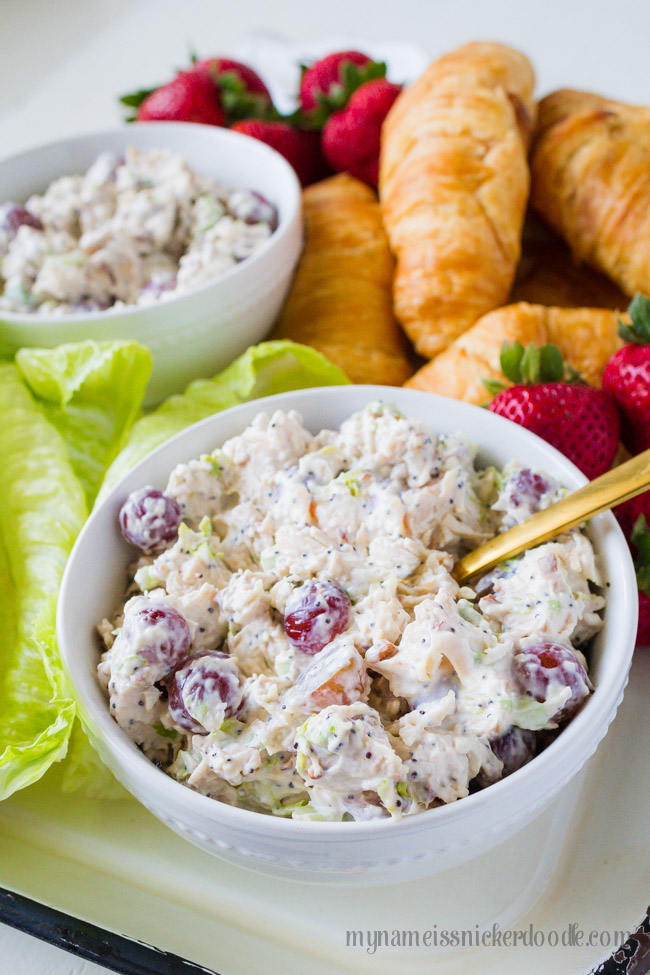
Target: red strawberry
x=298, y=148
x=627, y=376
x=190, y=97
x=240, y=90
x=351, y=137
x=235, y=89
x=319, y=168
x=580, y=421
x=577, y=419
x=319, y=79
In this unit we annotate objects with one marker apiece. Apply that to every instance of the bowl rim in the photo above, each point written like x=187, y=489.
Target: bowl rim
x=285, y=223
x=125, y=752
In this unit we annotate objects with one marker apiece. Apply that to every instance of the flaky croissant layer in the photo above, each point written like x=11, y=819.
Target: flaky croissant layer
x=454, y=182
x=591, y=182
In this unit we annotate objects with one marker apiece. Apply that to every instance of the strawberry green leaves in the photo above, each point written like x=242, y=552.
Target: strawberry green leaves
x=133, y=100
x=638, y=333
x=352, y=76
x=531, y=365
x=238, y=102
x=640, y=539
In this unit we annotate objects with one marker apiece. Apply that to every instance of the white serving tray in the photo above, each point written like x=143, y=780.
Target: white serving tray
x=116, y=866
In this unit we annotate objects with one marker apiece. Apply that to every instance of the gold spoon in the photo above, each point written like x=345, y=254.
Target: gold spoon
x=608, y=490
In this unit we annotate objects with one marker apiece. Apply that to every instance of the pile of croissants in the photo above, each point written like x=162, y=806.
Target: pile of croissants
x=454, y=254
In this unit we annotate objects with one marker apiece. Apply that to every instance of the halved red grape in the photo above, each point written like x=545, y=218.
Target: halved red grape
x=539, y=668
x=315, y=613
x=198, y=689
x=528, y=486
x=149, y=519
x=252, y=207
x=157, y=633
x=515, y=748
x=13, y=216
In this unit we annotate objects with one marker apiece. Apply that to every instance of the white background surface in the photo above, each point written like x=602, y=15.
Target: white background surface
x=63, y=62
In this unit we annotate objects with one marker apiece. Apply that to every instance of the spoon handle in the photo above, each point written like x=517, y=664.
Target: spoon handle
x=612, y=488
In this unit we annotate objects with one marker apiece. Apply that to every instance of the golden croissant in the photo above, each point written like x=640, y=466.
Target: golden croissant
x=586, y=337
x=591, y=182
x=454, y=183
x=340, y=301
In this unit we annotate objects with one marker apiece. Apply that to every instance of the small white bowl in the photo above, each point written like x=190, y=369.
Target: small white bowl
x=201, y=330
x=380, y=851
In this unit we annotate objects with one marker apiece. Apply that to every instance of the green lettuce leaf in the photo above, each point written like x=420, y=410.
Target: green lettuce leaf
x=42, y=510
x=91, y=392
x=272, y=367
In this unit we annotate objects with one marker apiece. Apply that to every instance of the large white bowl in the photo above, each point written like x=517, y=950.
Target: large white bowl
x=201, y=330
x=379, y=851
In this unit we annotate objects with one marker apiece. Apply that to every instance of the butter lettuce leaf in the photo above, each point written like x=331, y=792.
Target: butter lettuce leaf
x=272, y=367
x=41, y=511
x=92, y=393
